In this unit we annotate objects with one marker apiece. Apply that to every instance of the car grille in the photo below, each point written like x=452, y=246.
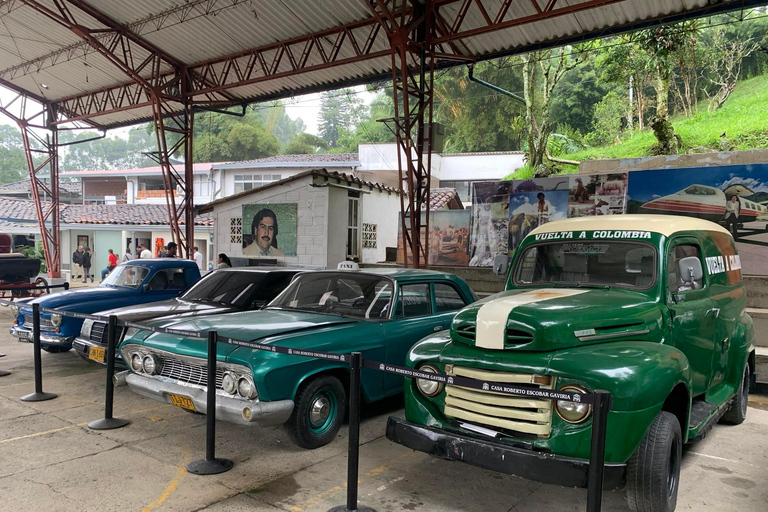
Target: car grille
x=99, y=333
x=513, y=336
x=45, y=323
x=518, y=415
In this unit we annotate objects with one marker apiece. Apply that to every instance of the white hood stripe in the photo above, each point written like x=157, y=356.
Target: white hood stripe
x=492, y=316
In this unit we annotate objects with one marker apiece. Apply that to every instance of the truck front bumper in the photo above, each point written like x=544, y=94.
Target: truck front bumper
x=533, y=465
x=233, y=410
x=82, y=346
x=46, y=340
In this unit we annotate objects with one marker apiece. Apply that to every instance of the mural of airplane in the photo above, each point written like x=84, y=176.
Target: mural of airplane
x=707, y=203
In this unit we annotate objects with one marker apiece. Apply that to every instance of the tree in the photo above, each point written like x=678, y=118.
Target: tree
x=575, y=97
x=725, y=62
x=338, y=109
x=250, y=141
x=13, y=163
x=306, y=144
x=609, y=114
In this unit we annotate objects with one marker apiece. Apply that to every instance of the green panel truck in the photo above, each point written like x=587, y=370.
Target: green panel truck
x=648, y=307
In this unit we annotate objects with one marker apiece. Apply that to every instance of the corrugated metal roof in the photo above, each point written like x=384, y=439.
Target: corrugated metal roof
x=194, y=31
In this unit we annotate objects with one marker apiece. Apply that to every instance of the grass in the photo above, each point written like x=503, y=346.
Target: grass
x=743, y=118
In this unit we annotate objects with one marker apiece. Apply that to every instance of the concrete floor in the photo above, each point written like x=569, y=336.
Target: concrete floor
x=52, y=461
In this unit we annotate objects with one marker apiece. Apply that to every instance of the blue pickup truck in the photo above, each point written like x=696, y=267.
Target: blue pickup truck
x=131, y=283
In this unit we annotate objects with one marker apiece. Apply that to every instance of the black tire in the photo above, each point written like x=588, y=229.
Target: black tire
x=653, y=471
x=56, y=350
x=324, y=399
x=737, y=411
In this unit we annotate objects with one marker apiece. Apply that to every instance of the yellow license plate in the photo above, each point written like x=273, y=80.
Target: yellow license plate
x=182, y=401
x=96, y=354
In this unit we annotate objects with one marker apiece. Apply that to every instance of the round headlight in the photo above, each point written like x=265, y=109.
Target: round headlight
x=152, y=364
x=573, y=412
x=429, y=387
x=229, y=382
x=56, y=319
x=136, y=364
x=14, y=310
x=246, y=388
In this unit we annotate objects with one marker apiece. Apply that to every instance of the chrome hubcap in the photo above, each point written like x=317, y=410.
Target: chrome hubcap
x=319, y=412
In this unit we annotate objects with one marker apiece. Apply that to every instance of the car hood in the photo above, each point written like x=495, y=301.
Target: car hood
x=168, y=310
x=71, y=299
x=547, y=319
x=260, y=326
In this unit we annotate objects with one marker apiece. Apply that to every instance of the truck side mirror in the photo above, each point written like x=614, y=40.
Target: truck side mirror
x=500, y=265
x=145, y=287
x=690, y=268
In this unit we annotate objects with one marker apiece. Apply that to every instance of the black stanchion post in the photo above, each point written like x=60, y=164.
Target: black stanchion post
x=210, y=465
x=108, y=422
x=597, y=454
x=38, y=395
x=353, y=452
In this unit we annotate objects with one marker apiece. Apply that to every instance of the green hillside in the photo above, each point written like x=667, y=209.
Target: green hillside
x=743, y=119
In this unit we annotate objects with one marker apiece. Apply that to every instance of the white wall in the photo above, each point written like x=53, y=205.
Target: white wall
x=378, y=162
x=312, y=221
x=381, y=209
x=338, y=211
x=479, y=166
x=228, y=179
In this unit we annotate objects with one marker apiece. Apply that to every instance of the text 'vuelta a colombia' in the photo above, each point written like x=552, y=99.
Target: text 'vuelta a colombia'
x=592, y=235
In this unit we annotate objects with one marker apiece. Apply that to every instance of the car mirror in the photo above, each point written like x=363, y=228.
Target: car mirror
x=500, y=265
x=145, y=288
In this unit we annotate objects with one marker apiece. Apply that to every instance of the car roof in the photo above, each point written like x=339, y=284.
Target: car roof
x=260, y=270
x=161, y=262
x=663, y=224
x=402, y=273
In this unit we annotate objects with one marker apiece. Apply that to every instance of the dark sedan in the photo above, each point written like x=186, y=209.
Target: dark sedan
x=222, y=291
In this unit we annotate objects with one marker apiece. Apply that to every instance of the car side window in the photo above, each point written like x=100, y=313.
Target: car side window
x=168, y=279
x=270, y=287
x=447, y=298
x=413, y=300
x=682, y=277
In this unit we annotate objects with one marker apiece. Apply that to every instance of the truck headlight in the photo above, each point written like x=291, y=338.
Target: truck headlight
x=85, y=330
x=151, y=364
x=136, y=363
x=429, y=388
x=14, y=310
x=246, y=388
x=573, y=412
x=229, y=382
x=56, y=319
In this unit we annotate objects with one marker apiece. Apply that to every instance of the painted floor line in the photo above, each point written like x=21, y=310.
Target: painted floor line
x=181, y=471
x=723, y=459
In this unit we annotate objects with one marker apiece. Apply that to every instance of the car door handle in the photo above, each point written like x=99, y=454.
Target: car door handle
x=438, y=328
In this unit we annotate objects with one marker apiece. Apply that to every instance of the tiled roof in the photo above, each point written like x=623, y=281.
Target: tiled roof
x=440, y=198
x=307, y=160
x=156, y=170
x=6, y=224
x=122, y=214
x=24, y=186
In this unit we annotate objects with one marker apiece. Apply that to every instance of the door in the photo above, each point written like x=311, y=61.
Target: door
x=447, y=302
x=353, y=226
x=692, y=312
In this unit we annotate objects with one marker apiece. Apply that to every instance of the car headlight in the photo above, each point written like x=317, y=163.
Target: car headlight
x=429, y=387
x=152, y=364
x=14, y=310
x=136, y=363
x=85, y=330
x=139, y=334
x=573, y=412
x=229, y=382
x=56, y=319
x=246, y=388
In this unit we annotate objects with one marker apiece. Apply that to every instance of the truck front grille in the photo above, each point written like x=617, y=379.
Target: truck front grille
x=513, y=336
x=45, y=323
x=518, y=415
x=99, y=333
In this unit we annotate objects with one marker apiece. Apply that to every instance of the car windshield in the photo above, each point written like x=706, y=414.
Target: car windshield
x=343, y=293
x=130, y=276
x=611, y=263
x=231, y=288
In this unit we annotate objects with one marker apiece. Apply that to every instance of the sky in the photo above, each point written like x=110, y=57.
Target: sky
x=307, y=107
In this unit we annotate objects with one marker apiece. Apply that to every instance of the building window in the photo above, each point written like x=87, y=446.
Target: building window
x=236, y=230
x=353, y=225
x=369, y=236
x=245, y=182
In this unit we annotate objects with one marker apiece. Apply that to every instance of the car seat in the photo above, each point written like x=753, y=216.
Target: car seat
x=179, y=281
x=574, y=269
x=159, y=282
x=645, y=279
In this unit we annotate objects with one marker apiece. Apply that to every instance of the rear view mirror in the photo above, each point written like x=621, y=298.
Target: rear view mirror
x=145, y=287
x=690, y=268
x=500, y=265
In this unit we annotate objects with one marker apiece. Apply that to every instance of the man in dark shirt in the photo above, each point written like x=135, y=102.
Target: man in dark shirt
x=170, y=251
x=77, y=262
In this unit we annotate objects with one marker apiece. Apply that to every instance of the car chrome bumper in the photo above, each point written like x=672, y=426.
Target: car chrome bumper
x=539, y=466
x=262, y=414
x=82, y=345
x=45, y=339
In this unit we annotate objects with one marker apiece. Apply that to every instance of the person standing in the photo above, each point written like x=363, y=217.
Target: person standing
x=198, y=257
x=77, y=263
x=170, y=251
x=86, y=262
x=111, y=264
x=732, y=212
x=145, y=253
x=223, y=261
x=128, y=256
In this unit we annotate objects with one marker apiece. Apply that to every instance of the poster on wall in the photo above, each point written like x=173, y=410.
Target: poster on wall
x=734, y=196
x=489, y=221
x=448, y=238
x=269, y=230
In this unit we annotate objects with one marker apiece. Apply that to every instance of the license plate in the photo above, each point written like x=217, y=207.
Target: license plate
x=96, y=354
x=182, y=401
x=23, y=335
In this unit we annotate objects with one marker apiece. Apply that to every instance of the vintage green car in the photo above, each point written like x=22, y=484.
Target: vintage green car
x=650, y=308
x=379, y=312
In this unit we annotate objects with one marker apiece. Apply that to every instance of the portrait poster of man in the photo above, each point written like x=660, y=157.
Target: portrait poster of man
x=269, y=230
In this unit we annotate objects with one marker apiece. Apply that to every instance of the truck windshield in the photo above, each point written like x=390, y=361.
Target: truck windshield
x=611, y=263
x=130, y=276
x=235, y=288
